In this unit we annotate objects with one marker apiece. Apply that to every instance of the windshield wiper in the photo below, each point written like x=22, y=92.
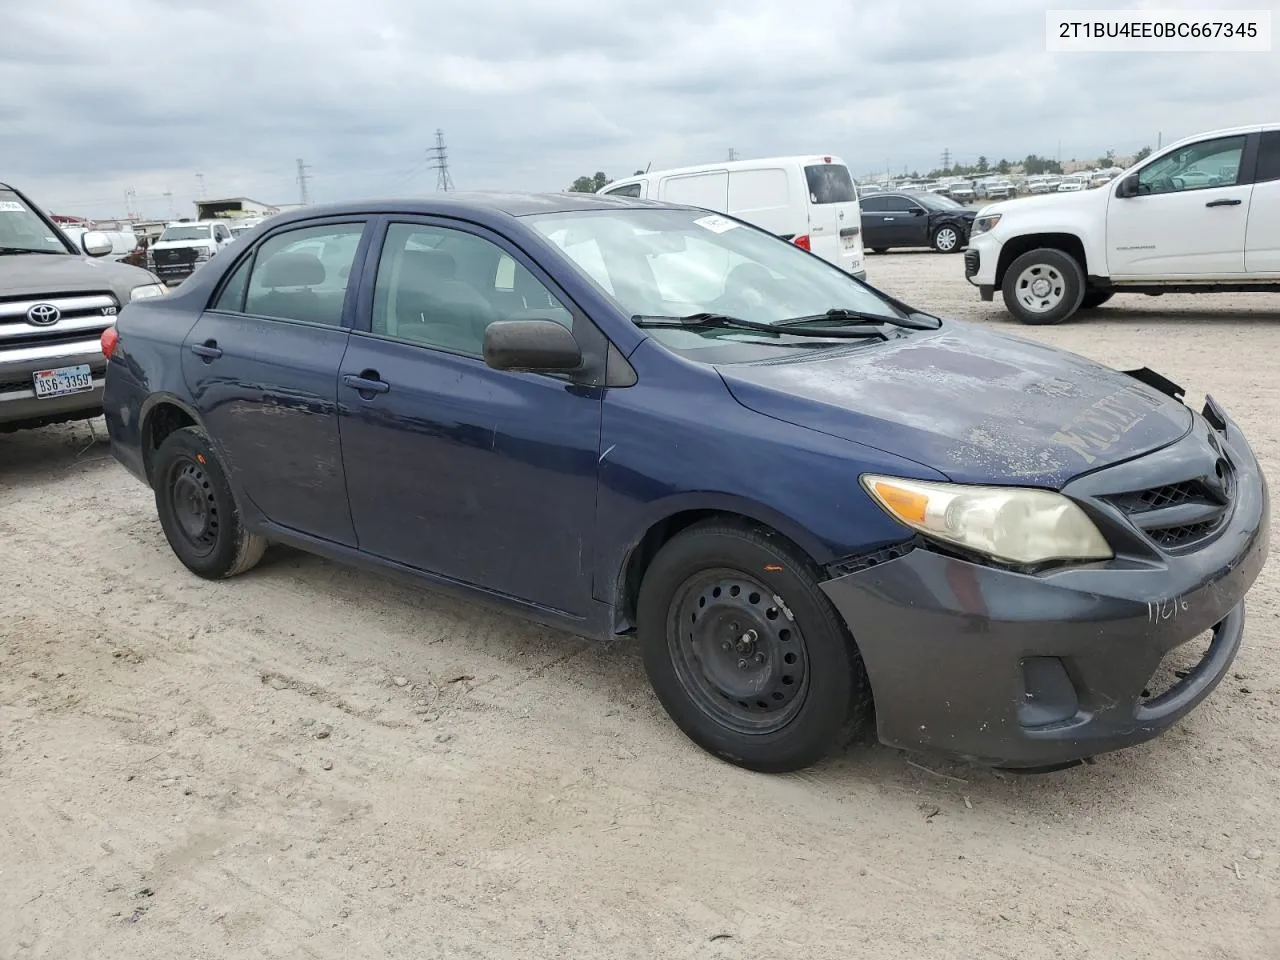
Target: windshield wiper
x=4, y=250
x=859, y=316
x=725, y=322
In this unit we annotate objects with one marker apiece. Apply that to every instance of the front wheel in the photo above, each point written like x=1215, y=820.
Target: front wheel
x=1095, y=298
x=746, y=653
x=197, y=509
x=947, y=239
x=1043, y=286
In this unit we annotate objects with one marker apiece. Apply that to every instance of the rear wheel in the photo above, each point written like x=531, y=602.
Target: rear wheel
x=947, y=239
x=198, y=512
x=879, y=249
x=746, y=653
x=1043, y=286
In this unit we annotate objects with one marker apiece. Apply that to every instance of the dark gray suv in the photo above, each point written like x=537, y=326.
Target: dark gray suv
x=55, y=301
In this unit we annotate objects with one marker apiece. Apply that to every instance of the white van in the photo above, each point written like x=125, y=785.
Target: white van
x=811, y=201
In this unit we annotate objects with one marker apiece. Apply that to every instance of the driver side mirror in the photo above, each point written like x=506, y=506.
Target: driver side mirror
x=95, y=243
x=1128, y=187
x=539, y=346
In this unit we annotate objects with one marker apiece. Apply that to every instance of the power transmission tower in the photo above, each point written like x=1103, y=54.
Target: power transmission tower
x=303, y=178
x=168, y=196
x=946, y=159
x=130, y=204
x=439, y=157
x=733, y=154
x=200, y=185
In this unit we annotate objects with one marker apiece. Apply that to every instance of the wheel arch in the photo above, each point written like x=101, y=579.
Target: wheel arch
x=663, y=526
x=1066, y=242
x=161, y=414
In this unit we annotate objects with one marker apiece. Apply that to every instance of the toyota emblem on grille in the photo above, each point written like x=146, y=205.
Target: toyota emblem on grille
x=43, y=315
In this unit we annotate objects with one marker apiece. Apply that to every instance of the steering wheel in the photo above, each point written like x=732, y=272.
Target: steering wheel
x=1178, y=183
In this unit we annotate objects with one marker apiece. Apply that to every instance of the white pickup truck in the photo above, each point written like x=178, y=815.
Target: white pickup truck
x=1200, y=216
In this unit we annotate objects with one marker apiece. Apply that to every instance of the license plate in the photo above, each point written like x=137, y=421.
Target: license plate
x=62, y=381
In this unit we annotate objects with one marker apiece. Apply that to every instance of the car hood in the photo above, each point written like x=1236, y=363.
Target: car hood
x=46, y=275
x=977, y=406
x=1042, y=201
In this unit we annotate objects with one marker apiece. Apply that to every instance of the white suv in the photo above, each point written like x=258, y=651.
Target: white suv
x=1200, y=216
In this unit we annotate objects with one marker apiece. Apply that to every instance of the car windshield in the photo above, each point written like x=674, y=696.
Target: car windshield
x=185, y=233
x=935, y=202
x=22, y=229
x=677, y=263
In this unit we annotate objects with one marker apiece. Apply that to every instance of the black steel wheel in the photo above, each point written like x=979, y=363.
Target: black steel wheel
x=745, y=651
x=198, y=510
x=743, y=661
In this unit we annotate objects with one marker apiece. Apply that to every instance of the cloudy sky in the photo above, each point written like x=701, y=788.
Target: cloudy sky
x=98, y=97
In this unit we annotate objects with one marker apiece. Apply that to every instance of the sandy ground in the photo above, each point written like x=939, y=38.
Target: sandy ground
x=314, y=762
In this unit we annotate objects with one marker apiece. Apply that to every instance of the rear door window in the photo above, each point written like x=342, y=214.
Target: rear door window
x=1269, y=157
x=830, y=183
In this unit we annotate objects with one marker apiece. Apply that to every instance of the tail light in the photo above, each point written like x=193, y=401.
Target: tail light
x=802, y=241
x=110, y=337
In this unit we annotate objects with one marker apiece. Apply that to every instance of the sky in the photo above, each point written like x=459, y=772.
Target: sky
x=102, y=97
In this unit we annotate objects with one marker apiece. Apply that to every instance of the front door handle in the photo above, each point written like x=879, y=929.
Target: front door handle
x=887, y=219
x=1223, y=203
x=207, y=351
x=367, y=382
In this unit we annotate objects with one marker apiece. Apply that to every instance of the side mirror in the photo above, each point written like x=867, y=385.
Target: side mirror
x=95, y=243
x=534, y=345
x=1128, y=187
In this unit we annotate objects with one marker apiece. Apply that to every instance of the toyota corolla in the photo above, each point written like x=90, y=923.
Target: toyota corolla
x=802, y=496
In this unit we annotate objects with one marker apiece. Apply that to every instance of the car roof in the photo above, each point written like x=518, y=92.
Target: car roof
x=462, y=203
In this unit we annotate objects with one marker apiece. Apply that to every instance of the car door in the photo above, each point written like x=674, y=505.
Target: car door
x=906, y=223
x=874, y=236
x=1262, y=235
x=262, y=365
x=483, y=476
x=1189, y=216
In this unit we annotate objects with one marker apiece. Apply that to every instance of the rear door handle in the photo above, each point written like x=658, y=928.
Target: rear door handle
x=1223, y=203
x=367, y=382
x=209, y=350
x=887, y=219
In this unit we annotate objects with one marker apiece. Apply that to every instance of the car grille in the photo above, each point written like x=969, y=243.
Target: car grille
x=971, y=261
x=172, y=263
x=76, y=316
x=1177, y=516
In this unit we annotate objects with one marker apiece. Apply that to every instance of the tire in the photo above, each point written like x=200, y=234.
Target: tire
x=740, y=596
x=1059, y=286
x=197, y=510
x=948, y=238
x=1095, y=298
x=879, y=249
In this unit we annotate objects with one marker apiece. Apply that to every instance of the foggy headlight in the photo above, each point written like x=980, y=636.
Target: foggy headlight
x=1013, y=524
x=147, y=290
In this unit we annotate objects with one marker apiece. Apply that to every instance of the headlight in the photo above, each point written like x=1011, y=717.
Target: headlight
x=147, y=290
x=1014, y=524
x=983, y=224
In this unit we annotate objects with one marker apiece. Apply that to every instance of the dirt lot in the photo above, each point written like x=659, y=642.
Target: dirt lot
x=314, y=762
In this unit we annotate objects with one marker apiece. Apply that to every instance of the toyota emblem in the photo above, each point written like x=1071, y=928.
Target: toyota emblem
x=43, y=315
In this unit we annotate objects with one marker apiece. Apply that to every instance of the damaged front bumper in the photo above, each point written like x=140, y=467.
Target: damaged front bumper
x=1035, y=670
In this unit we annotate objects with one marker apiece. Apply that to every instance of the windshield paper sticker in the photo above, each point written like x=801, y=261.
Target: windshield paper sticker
x=11, y=206
x=715, y=223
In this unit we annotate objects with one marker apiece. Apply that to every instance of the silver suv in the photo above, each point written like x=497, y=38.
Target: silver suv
x=55, y=302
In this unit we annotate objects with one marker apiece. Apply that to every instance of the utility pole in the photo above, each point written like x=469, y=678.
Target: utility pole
x=200, y=185
x=303, y=177
x=439, y=157
x=733, y=154
x=1159, y=138
x=946, y=159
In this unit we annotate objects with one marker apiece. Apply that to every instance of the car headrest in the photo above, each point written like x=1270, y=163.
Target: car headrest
x=293, y=270
x=430, y=264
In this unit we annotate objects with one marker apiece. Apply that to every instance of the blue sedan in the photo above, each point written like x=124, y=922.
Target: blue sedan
x=801, y=495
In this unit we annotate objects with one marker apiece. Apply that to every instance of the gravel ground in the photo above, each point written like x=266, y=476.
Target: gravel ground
x=315, y=762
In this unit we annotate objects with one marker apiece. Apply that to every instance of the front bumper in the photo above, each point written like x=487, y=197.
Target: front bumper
x=19, y=405
x=1038, y=670
x=981, y=259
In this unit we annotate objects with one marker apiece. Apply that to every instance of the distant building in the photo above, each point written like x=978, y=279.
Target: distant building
x=234, y=207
